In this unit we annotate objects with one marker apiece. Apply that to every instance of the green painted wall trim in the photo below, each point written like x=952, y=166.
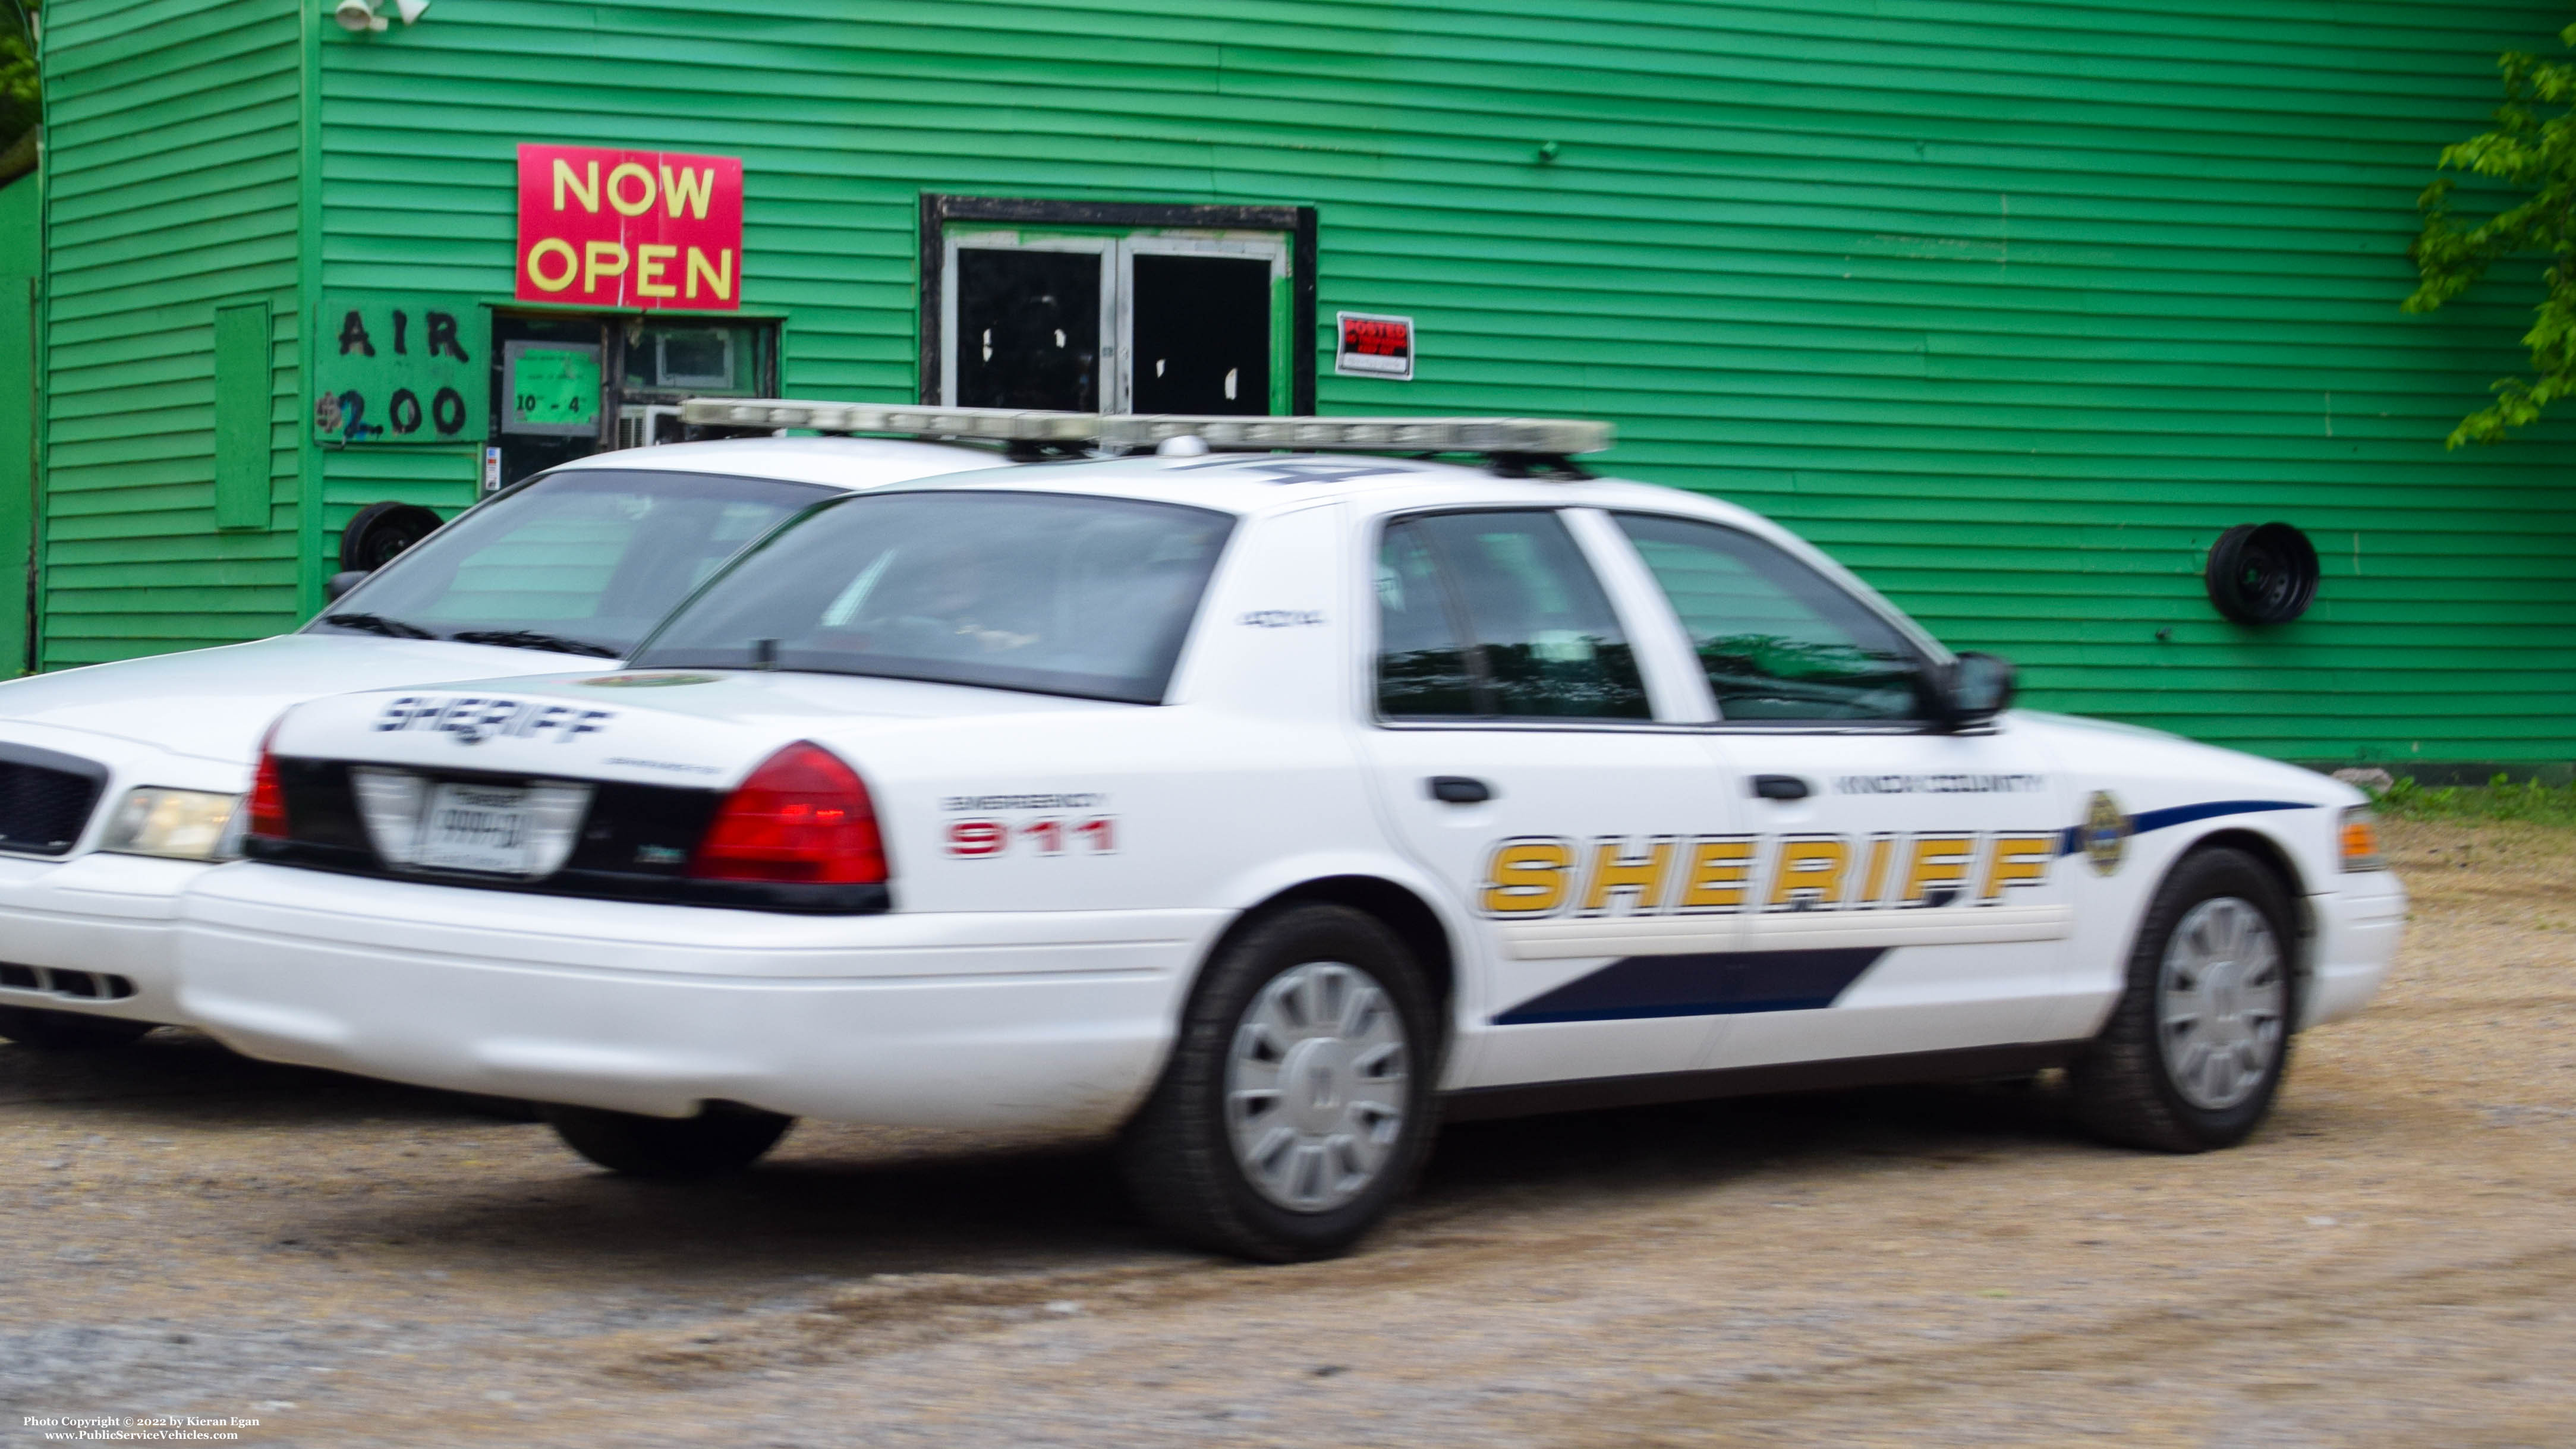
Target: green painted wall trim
x=310, y=571
x=21, y=258
x=242, y=415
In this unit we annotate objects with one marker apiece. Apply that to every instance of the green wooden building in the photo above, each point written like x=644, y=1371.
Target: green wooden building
x=2015, y=305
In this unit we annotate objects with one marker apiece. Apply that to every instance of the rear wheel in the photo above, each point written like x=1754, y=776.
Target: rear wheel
x=2193, y=1055
x=1296, y=1107
x=722, y=1138
x=65, y=1031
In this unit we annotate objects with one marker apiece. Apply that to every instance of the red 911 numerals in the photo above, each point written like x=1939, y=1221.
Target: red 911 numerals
x=980, y=839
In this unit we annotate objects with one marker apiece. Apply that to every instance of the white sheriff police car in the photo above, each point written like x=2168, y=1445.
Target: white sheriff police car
x=118, y=781
x=1270, y=808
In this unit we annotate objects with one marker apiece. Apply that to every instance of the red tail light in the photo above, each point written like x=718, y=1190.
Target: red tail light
x=802, y=816
x=268, y=793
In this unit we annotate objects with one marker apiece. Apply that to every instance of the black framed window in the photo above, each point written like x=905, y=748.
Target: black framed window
x=1098, y=306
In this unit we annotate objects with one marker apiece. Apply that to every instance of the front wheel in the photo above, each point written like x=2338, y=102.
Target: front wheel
x=69, y=1031
x=1296, y=1107
x=2194, y=1053
x=722, y=1138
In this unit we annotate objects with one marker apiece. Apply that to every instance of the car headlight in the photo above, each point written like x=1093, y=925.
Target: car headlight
x=180, y=824
x=2358, y=840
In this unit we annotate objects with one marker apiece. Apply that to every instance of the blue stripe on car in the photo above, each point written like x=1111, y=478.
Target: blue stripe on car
x=1727, y=983
x=2146, y=820
x=1716, y=983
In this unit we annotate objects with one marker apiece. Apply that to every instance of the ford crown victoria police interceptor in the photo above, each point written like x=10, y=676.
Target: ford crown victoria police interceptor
x=1269, y=808
x=117, y=781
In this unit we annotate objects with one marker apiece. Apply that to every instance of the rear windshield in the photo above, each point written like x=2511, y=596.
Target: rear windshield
x=586, y=562
x=1031, y=591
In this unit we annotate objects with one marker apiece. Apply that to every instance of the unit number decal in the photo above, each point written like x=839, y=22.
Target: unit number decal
x=1048, y=835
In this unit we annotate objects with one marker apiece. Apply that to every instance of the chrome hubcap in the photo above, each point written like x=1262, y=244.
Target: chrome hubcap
x=2221, y=1000
x=1315, y=1086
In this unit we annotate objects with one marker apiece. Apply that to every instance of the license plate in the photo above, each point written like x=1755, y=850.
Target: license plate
x=477, y=827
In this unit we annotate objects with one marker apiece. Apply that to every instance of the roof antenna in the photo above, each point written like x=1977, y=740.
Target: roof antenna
x=1186, y=445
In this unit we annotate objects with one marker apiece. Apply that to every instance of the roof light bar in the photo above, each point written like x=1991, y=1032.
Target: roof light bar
x=1548, y=437
x=1538, y=437
x=1001, y=425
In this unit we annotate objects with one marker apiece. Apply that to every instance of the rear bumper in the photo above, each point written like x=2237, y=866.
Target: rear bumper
x=99, y=916
x=2359, y=928
x=993, y=1020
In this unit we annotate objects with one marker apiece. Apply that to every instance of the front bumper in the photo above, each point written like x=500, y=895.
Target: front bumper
x=2358, y=930
x=71, y=924
x=1054, y=1020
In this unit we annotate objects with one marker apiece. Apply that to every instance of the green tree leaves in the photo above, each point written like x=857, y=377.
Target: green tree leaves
x=2532, y=149
x=21, y=95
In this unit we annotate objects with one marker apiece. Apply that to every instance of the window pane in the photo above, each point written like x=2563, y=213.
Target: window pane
x=1061, y=595
x=1545, y=638
x=1202, y=329
x=1421, y=670
x=1028, y=329
x=596, y=556
x=1779, y=640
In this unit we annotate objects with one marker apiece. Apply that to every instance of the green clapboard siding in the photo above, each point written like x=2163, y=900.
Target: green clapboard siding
x=172, y=173
x=2014, y=305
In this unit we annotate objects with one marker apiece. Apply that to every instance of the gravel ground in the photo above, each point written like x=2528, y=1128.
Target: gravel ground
x=2391, y=1262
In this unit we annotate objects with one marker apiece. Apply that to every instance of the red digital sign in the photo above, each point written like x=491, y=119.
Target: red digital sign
x=608, y=228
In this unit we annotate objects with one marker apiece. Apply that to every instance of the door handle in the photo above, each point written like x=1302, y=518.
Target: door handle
x=1780, y=787
x=1459, y=790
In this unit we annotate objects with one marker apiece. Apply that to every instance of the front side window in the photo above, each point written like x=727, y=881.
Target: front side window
x=1779, y=640
x=1050, y=593
x=1497, y=615
x=585, y=561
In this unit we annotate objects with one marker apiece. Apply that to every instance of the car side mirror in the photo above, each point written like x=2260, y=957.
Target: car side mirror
x=1976, y=688
x=342, y=582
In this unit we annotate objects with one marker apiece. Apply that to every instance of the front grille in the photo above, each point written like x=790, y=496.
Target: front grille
x=45, y=799
x=635, y=845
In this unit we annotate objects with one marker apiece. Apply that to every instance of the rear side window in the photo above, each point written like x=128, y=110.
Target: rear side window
x=587, y=560
x=567, y=565
x=1779, y=640
x=1498, y=616
x=1052, y=593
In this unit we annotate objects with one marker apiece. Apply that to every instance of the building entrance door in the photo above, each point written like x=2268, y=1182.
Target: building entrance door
x=566, y=386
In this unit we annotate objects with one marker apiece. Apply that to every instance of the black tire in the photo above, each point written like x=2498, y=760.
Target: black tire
x=69, y=1031
x=380, y=532
x=2125, y=1091
x=1177, y=1154
x=721, y=1139
x=499, y=1109
x=2262, y=573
